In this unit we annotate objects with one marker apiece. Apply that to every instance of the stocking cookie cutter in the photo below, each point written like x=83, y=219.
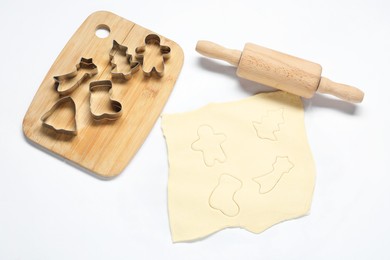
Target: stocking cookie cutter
x=165, y=51
x=134, y=65
x=60, y=102
x=115, y=105
x=83, y=64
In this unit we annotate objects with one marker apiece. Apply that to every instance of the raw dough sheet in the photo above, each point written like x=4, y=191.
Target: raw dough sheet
x=239, y=164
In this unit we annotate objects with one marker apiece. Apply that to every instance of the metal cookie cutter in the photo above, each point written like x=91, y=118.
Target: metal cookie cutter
x=58, y=104
x=113, y=108
x=133, y=65
x=85, y=64
x=152, y=41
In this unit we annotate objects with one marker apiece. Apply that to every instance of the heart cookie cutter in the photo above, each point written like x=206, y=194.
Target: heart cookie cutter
x=133, y=65
x=83, y=64
x=141, y=52
x=72, y=131
x=114, y=105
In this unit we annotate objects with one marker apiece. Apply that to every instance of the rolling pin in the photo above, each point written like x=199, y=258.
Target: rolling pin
x=279, y=70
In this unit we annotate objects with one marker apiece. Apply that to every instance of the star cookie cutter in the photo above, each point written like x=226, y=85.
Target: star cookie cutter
x=141, y=52
x=71, y=131
x=83, y=64
x=114, y=105
x=133, y=65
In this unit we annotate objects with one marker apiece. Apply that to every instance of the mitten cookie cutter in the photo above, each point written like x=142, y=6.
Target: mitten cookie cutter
x=115, y=105
x=165, y=51
x=60, y=102
x=133, y=65
x=83, y=64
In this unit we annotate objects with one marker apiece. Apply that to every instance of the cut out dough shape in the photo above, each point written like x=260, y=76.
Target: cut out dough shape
x=191, y=201
x=269, y=180
x=269, y=125
x=210, y=144
x=222, y=197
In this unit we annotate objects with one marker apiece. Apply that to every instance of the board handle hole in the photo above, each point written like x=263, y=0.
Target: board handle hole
x=102, y=31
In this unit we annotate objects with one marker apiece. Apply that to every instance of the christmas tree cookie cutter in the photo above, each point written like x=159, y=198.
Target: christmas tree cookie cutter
x=84, y=63
x=153, y=40
x=133, y=66
x=115, y=107
x=101, y=148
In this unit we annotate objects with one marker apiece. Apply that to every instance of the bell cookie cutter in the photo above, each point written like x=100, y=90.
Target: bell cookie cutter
x=133, y=65
x=72, y=131
x=83, y=64
x=116, y=106
x=165, y=51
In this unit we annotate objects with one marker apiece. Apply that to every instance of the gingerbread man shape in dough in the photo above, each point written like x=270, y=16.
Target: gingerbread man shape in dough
x=210, y=144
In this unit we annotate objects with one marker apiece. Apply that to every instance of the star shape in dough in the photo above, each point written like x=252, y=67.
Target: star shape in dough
x=210, y=144
x=268, y=181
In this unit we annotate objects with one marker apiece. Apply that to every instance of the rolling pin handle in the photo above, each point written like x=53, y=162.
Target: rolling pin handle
x=345, y=92
x=215, y=51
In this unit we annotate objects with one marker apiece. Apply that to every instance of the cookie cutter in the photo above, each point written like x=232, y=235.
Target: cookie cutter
x=60, y=102
x=83, y=64
x=122, y=50
x=115, y=105
x=165, y=51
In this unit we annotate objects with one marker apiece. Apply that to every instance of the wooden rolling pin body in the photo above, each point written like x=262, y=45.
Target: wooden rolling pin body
x=279, y=70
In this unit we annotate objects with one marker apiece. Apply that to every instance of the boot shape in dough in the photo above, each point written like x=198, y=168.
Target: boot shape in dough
x=222, y=197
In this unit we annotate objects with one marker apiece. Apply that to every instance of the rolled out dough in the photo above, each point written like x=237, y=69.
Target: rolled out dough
x=240, y=164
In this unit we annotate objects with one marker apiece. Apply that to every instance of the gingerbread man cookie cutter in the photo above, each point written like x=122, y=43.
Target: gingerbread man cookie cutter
x=84, y=63
x=118, y=49
x=142, y=53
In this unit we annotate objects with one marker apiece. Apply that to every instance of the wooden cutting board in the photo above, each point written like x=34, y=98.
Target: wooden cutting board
x=103, y=147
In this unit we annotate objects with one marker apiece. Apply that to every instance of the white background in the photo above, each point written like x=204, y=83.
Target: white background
x=52, y=210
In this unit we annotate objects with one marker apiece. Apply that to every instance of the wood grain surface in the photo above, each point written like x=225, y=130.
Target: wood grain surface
x=103, y=148
x=279, y=70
